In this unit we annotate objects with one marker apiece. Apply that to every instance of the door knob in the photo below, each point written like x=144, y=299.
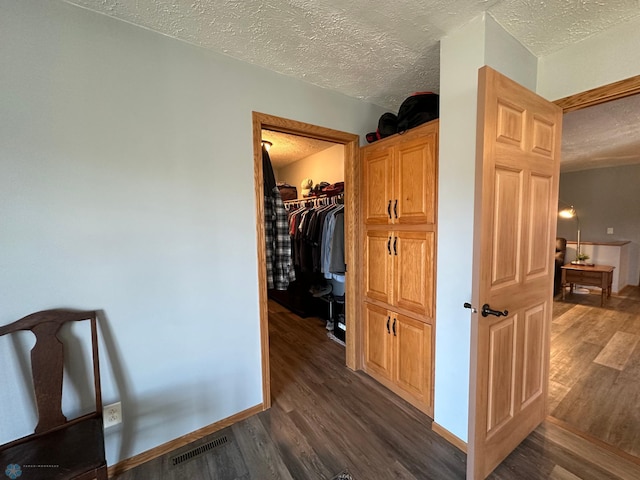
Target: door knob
x=487, y=310
x=470, y=307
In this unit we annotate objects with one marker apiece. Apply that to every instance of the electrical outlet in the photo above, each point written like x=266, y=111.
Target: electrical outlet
x=112, y=414
x=610, y=231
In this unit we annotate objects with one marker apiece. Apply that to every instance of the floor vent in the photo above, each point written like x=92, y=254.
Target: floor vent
x=196, y=452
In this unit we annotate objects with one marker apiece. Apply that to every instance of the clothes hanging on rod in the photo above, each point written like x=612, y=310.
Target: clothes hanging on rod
x=280, y=269
x=317, y=245
x=333, y=261
x=316, y=201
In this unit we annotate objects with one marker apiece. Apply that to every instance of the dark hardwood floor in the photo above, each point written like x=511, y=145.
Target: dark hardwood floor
x=594, y=379
x=326, y=419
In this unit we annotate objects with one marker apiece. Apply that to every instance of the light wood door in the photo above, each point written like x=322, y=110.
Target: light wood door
x=414, y=274
x=378, y=263
x=517, y=173
x=412, y=357
x=415, y=179
x=377, y=340
x=377, y=186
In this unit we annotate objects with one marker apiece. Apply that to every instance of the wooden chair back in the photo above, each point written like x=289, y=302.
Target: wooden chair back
x=59, y=448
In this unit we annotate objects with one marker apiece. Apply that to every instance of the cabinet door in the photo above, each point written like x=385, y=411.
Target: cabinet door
x=377, y=340
x=412, y=357
x=415, y=180
x=377, y=185
x=377, y=265
x=414, y=272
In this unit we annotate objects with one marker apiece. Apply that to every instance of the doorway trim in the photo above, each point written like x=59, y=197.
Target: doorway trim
x=351, y=144
x=595, y=96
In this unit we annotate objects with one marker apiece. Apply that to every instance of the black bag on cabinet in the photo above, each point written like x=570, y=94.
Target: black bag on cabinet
x=387, y=126
x=419, y=108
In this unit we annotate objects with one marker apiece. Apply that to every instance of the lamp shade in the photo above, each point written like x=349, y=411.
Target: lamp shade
x=569, y=212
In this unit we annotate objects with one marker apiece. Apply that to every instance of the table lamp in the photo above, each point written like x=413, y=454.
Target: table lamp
x=570, y=212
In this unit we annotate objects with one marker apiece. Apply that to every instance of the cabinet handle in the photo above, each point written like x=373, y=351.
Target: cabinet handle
x=395, y=244
x=394, y=326
x=389, y=245
x=395, y=208
x=388, y=320
x=389, y=209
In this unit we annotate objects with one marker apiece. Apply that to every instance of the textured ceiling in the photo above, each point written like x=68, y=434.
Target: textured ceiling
x=286, y=148
x=379, y=52
x=605, y=134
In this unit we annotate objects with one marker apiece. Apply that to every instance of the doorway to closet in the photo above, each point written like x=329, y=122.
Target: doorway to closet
x=263, y=123
x=307, y=266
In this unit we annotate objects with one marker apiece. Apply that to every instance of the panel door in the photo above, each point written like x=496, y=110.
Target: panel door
x=377, y=186
x=414, y=274
x=517, y=177
x=377, y=340
x=378, y=265
x=412, y=357
x=415, y=174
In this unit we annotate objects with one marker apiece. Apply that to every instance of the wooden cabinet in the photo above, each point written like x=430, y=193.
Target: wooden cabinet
x=399, y=185
x=378, y=264
x=399, y=267
x=396, y=347
x=377, y=342
x=398, y=261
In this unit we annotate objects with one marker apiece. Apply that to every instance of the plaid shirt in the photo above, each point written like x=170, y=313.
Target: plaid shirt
x=279, y=266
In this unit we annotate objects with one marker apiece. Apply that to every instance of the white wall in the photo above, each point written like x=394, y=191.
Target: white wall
x=462, y=53
x=599, y=60
x=506, y=55
x=324, y=166
x=127, y=185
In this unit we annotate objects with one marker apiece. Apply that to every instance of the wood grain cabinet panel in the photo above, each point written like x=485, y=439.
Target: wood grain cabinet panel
x=414, y=182
x=377, y=342
x=399, y=269
x=414, y=274
x=399, y=231
x=378, y=182
x=412, y=357
x=399, y=185
x=378, y=263
x=398, y=353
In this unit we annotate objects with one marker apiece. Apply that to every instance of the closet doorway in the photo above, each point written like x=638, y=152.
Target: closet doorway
x=351, y=174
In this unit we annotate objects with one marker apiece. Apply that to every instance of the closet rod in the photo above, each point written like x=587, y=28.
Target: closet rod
x=335, y=197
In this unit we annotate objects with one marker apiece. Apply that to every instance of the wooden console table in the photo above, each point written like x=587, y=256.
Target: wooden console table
x=595, y=275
